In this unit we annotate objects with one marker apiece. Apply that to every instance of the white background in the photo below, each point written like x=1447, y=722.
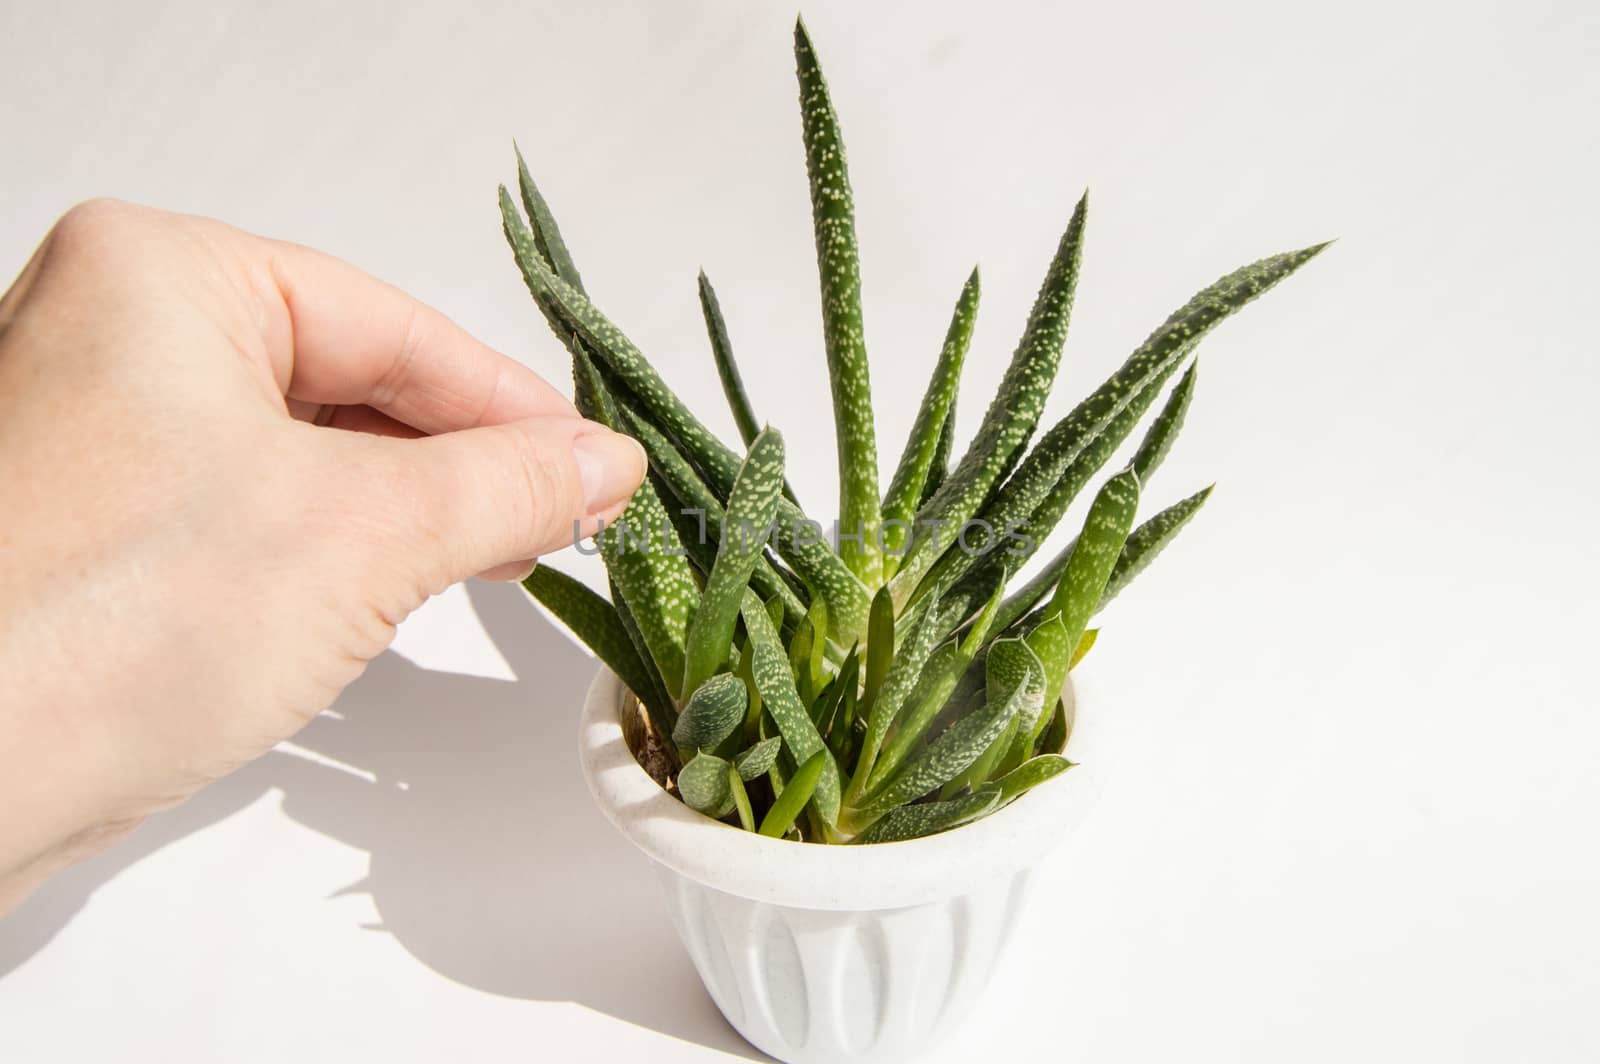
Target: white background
x=1351, y=805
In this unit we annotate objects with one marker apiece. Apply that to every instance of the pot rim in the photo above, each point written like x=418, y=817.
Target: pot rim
x=812, y=876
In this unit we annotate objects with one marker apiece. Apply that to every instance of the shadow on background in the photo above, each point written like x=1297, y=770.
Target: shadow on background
x=489, y=862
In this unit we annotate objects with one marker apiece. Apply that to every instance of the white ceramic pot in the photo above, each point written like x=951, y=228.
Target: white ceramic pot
x=830, y=954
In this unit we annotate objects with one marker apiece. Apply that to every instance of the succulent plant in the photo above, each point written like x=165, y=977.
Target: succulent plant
x=882, y=685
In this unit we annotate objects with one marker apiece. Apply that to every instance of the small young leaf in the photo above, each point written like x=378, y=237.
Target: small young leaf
x=749, y=516
x=755, y=761
x=741, y=800
x=1085, y=644
x=796, y=793
x=1012, y=670
x=752, y=717
x=712, y=713
x=926, y=631
x=1054, y=739
x=880, y=646
x=703, y=783
x=817, y=658
x=928, y=818
x=800, y=663
x=843, y=683
x=1051, y=643
x=842, y=733
x=1031, y=773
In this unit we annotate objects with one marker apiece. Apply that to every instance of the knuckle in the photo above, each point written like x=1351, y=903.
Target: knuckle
x=91, y=221
x=545, y=486
x=413, y=339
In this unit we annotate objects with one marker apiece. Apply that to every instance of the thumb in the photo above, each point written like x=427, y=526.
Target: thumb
x=472, y=500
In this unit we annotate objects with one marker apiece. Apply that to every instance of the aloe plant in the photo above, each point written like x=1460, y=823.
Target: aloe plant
x=886, y=684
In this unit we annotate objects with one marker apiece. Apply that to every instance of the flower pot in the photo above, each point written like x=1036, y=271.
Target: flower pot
x=822, y=954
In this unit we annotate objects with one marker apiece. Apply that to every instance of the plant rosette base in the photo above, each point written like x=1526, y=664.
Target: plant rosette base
x=829, y=954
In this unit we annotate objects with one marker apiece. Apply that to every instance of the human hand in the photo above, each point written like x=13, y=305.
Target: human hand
x=231, y=467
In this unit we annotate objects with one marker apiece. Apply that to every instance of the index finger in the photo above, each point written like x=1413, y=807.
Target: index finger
x=354, y=340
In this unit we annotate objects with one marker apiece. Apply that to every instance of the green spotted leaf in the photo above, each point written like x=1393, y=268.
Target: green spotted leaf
x=663, y=711
x=701, y=512
x=939, y=468
x=1149, y=540
x=1012, y=670
x=1005, y=557
x=1157, y=442
x=799, y=540
x=546, y=234
x=930, y=818
x=770, y=670
x=1105, y=530
x=711, y=714
x=1143, y=546
x=1037, y=478
x=1011, y=418
x=938, y=677
x=839, y=268
x=754, y=762
x=926, y=630
x=744, y=415
x=1158, y=439
x=933, y=418
x=595, y=621
x=1030, y=774
x=703, y=783
x=980, y=770
x=645, y=559
x=750, y=513
x=1017, y=677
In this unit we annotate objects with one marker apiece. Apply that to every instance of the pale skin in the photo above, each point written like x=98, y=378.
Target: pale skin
x=229, y=467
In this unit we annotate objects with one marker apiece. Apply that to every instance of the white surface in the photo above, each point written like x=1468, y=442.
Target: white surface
x=1352, y=715
x=834, y=954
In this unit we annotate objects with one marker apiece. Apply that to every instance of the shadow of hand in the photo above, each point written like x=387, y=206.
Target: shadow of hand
x=489, y=862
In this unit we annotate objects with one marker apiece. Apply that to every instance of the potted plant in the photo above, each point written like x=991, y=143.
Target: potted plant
x=841, y=754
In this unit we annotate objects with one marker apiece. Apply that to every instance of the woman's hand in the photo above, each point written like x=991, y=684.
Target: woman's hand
x=229, y=466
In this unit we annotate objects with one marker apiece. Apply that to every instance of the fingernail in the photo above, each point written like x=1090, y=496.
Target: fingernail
x=610, y=467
